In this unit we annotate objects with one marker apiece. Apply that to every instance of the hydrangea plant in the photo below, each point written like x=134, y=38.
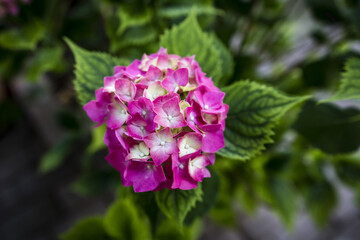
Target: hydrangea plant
x=164, y=121
x=169, y=114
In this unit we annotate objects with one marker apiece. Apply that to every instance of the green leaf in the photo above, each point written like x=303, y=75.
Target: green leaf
x=45, y=59
x=188, y=39
x=131, y=19
x=90, y=70
x=283, y=199
x=169, y=229
x=350, y=82
x=25, y=38
x=227, y=62
x=254, y=110
x=320, y=201
x=210, y=187
x=97, y=139
x=329, y=128
x=87, y=229
x=124, y=222
x=348, y=170
x=181, y=11
x=176, y=204
x=135, y=36
x=57, y=154
x=223, y=211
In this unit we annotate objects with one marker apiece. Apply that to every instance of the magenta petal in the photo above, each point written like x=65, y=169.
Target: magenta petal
x=97, y=111
x=181, y=76
x=154, y=90
x=133, y=69
x=145, y=176
x=154, y=74
x=138, y=128
x=163, y=62
x=116, y=159
x=140, y=88
x=161, y=100
x=182, y=178
x=118, y=70
x=144, y=107
x=210, y=157
x=169, y=115
x=167, y=167
x=161, y=145
x=193, y=117
x=117, y=115
x=197, y=168
x=109, y=83
x=111, y=140
x=210, y=101
x=169, y=85
x=123, y=138
x=189, y=144
x=174, y=79
x=190, y=64
x=125, y=89
x=213, y=141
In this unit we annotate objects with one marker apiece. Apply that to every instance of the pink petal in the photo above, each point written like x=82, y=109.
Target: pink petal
x=117, y=115
x=174, y=79
x=154, y=74
x=190, y=144
x=111, y=140
x=193, y=117
x=145, y=176
x=138, y=128
x=161, y=145
x=167, y=167
x=96, y=111
x=116, y=159
x=182, y=178
x=197, y=168
x=154, y=90
x=140, y=88
x=210, y=157
x=125, y=89
x=144, y=107
x=160, y=101
x=181, y=76
x=213, y=141
x=109, y=83
x=123, y=138
x=169, y=115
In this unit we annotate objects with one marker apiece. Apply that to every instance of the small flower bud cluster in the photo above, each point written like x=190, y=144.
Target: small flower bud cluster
x=165, y=120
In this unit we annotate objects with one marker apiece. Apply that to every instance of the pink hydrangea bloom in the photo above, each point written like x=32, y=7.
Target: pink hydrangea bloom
x=165, y=121
x=11, y=7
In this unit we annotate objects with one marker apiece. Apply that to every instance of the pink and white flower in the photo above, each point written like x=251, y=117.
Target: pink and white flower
x=165, y=121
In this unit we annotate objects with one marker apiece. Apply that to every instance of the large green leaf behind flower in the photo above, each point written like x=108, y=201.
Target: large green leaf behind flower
x=350, y=82
x=188, y=39
x=254, y=110
x=90, y=70
x=176, y=204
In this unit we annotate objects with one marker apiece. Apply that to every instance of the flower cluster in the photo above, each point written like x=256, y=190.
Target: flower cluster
x=10, y=7
x=165, y=121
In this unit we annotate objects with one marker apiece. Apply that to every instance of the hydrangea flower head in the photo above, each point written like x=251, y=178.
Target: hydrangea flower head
x=10, y=7
x=165, y=121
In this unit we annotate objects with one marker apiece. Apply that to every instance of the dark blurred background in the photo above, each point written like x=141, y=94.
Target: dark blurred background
x=52, y=167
